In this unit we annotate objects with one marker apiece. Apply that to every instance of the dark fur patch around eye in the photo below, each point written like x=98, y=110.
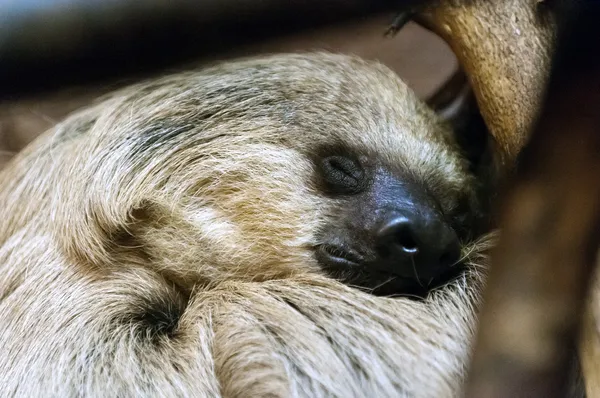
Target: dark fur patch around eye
x=340, y=170
x=342, y=174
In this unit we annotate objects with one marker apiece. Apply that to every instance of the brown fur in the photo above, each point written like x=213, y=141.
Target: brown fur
x=505, y=47
x=160, y=242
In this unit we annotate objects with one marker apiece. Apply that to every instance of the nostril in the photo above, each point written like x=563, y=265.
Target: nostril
x=396, y=237
x=407, y=242
x=429, y=242
x=418, y=247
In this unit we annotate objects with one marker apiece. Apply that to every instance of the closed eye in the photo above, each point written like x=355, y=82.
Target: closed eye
x=342, y=174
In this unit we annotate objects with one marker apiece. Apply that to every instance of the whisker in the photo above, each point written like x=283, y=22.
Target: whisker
x=406, y=295
x=473, y=250
x=384, y=283
x=415, y=270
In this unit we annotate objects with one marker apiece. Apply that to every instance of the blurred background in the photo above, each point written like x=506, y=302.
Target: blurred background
x=420, y=58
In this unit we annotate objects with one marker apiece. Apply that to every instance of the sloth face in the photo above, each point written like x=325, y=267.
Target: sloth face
x=390, y=232
x=265, y=168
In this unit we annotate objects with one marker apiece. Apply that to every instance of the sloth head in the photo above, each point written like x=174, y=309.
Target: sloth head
x=270, y=167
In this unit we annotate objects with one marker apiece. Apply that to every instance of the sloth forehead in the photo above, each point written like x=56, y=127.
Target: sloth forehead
x=300, y=102
x=297, y=99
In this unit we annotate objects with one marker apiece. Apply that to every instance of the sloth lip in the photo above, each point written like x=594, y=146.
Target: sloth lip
x=337, y=256
x=356, y=270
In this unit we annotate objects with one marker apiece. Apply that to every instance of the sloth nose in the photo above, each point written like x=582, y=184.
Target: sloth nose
x=416, y=245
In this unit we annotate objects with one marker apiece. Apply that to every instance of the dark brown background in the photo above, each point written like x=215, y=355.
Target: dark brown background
x=419, y=57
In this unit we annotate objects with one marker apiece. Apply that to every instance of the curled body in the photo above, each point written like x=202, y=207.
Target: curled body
x=219, y=233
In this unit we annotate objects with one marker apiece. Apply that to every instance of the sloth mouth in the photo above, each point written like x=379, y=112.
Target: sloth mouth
x=335, y=256
x=353, y=269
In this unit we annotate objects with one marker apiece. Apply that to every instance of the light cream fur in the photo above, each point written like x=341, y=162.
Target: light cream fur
x=160, y=242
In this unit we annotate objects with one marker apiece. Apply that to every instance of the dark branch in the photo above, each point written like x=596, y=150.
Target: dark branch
x=551, y=225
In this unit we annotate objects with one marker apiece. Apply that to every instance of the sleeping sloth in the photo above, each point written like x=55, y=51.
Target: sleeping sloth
x=259, y=228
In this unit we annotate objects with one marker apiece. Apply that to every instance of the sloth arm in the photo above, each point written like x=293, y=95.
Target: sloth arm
x=128, y=333
x=72, y=333
x=69, y=332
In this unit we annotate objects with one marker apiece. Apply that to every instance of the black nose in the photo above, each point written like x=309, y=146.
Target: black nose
x=416, y=245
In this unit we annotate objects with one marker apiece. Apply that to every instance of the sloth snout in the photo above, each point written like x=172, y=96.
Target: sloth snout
x=415, y=243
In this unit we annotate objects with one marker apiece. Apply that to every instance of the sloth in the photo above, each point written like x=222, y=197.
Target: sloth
x=283, y=226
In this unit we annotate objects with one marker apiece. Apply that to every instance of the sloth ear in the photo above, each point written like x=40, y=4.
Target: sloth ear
x=455, y=103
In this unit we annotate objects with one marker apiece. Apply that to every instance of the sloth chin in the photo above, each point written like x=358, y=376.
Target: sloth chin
x=354, y=270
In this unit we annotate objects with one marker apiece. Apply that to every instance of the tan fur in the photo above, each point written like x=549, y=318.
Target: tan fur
x=505, y=47
x=160, y=242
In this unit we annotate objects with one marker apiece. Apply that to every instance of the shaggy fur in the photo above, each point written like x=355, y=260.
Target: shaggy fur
x=160, y=243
